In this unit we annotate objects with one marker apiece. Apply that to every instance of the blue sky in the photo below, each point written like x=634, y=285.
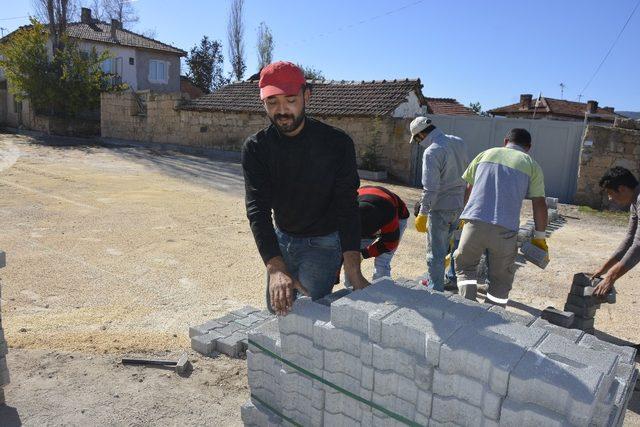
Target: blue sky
x=487, y=51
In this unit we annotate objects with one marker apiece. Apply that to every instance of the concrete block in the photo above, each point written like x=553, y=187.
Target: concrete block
x=525, y=319
x=584, y=312
x=424, y=376
x=488, y=350
x=396, y=360
x=245, y=311
x=205, y=344
x=581, y=280
x=583, y=323
x=534, y=254
x=334, y=296
x=582, y=301
x=366, y=379
x=230, y=329
x=404, y=408
x=520, y=414
x=450, y=410
x=266, y=335
x=626, y=354
x=204, y=328
x=572, y=335
x=552, y=202
x=469, y=390
x=249, y=320
x=553, y=215
x=385, y=383
x=464, y=310
x=256, y=414
x=232, y=345
x=423, y=403
x=407, y=390
x=563, y=377
x=229, y=317
x=558, y=317
x=302, y=316
x=421, y=334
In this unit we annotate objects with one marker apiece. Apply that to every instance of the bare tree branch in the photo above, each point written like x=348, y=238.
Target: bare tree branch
x=265, y=46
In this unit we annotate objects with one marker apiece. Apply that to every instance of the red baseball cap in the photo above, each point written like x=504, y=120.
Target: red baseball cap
x=280, y=78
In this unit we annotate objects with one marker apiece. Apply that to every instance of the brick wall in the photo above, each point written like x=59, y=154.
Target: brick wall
x=165, y=122
x=603, y=148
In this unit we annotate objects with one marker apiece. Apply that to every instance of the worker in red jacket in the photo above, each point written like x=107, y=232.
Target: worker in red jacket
x=383, y=219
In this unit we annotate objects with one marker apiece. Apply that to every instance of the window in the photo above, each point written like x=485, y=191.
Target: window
x=112, y=66
x=131, y=61
x=158, y=71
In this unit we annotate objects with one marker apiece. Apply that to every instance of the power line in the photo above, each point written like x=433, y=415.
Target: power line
x=610, y=49
x=15, y=17
x=355, y=24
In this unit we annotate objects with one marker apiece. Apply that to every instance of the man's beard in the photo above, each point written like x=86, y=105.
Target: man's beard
x=294, y=123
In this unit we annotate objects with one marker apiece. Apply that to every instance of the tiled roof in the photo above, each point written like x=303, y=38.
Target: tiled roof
x=552, y=106
x=101, y=32
x=448, y=106
x=339, y=98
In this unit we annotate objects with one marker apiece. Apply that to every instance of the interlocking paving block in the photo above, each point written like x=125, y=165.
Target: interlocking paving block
x=420, y=333
x=582, y=291
x=206, y=344
x=525, y=319
x=488, y=350
x=582, y=301
x=266, y=335
x=231, y=345
x=229, y=317
x=627, y=354
x=582, y=323
x=584, y=312
x=334, y=296
x=451, y=410
x=260, y=415
x=558, y=317
x=245, y=311
x=464, y=310
x=563, y=377
x=534, y=254
x=572, y=335
x=3, y=259
x=469, y=390
x=392, y=359
x=204, y=328
x=520, y=414
x=304, y=313
x=249, y=320
x=582, y=280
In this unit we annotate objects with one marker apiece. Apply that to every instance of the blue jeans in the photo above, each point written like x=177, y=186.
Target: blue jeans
x=441, y=225
x=312, y=260
x=381, y=263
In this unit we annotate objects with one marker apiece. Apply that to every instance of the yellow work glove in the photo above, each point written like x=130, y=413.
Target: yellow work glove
x=447, y=261
x=540, y=241
x=421, y=223
x=461, y=224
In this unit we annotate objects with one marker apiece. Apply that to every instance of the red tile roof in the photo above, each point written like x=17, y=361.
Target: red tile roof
x=187, y=86
x=551, y=107
x=99, y=31
x=331, y=98
x=448, y=106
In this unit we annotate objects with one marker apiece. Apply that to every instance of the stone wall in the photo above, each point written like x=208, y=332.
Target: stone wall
x=603, y=148
x=165, y=122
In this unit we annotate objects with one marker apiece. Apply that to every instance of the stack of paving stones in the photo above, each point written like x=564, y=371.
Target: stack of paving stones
x=398, y=354
x=4, y=369
x=525, y=233
x=583, y=304
x=227, y=334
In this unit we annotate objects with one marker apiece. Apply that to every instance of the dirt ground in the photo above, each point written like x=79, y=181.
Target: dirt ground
x=117, y=251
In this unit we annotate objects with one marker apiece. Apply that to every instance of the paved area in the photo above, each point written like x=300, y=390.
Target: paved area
x=118, y=250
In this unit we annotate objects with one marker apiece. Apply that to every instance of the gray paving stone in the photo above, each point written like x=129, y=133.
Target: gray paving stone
x=534, y=254
x=627, y=354
x=245, y=311
x=583, y=323
x=230, y=329
x=334, y=296
x=558, y=317
x=563, y=377
x=452, y=410
x=392, y=359
x=249, y=320
x=469, y=390
x=552, y=202
x=205, y=344
x=525, y=319
x=582, y=301
x=204, y=328
x=361, y=313
x=520, y=414
x=488, y=350
x=584, y=312
x=231, y=345
x=266, y=335
x=229, y=317
x=570, y=334
x=581, y=280
x=256, y=414
x=304, y=313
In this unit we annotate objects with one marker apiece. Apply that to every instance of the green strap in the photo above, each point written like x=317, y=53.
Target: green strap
x=300, y=369
x=275, y=411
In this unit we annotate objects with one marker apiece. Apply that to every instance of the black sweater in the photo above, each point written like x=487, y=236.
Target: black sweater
x=310, y=182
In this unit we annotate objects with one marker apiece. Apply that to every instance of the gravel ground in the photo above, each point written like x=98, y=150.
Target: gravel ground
x=116, y=251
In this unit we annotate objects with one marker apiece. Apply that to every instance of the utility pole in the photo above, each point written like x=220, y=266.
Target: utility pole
x=2, y=30
x=579, y=97
x=562, y=86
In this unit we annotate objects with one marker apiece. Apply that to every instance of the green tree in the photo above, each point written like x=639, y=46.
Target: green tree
x=265, y=46
x=311, y=73
x=205, y=64
x=66, y=84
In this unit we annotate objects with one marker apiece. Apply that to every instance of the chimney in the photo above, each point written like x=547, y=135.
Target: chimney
x=85, y=15
x=592, y=107
x=525, y=101
x=115, y=25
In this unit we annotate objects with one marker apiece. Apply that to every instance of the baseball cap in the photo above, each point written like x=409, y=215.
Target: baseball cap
x=418, y=125
x=280, y=78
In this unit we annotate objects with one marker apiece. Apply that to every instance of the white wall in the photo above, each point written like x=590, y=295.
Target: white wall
x=128, y=71
x=409, y=109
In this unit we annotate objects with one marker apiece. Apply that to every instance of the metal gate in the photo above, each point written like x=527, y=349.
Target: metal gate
x=555, y=146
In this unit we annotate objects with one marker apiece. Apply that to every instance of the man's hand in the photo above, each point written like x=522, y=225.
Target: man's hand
x=540, y=241
x=461, y=224
x=604, y=287
x=281, y=286
x=421, y=223
x=352, y=270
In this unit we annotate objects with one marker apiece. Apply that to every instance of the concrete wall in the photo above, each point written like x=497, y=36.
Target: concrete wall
x=603, y=148
x=409, y=109
x=142, y=69
x=165, y=122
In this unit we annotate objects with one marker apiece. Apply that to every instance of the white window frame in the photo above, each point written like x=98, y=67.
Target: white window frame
x=153, y=64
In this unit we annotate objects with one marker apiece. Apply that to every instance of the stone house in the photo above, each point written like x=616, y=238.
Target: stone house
x=556, y=109
x=370, y=111
x=140, y=62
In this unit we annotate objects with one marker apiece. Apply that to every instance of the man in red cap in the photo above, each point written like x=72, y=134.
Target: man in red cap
x=305, y=172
